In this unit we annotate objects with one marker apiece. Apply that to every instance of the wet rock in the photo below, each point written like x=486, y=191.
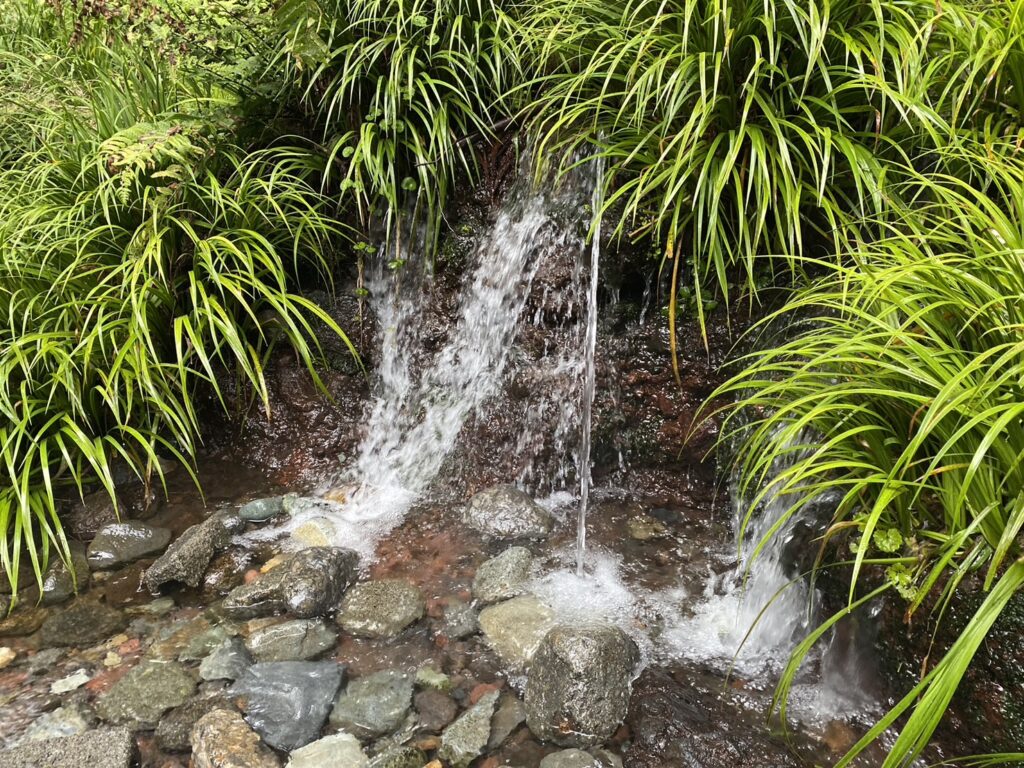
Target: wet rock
x=72, y=682
x=185, y=560
x=381, y=608
x=23, y=621
x=81, y=624
x=287, y=702
x=577, y=690
x=399, y=757
x=308, y=584
x=570, y=758
x=124, y=587
x=646, y=528
x=298, y=640
x=341, y=750
x=674, y=725
x=460, y=620
x=226, y=571
x=504, y=513
x=436, y=710
x=221, y=739
x=262, y=509
x=63, y=721
x=514, y=629
x=466, y=739
x=429, y=677
x=88, y=516
x=121, y=543
x=145, y=693
x=510, y=715
x=174, y=732
x=503, y=577
x=60, y=582
x=7, y=656
x=102, y=748
x=226, y=662
x=204, y=643
x=373, y=706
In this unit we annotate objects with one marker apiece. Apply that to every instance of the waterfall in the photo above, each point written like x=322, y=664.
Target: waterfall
x=589, y=376
x=423, y=398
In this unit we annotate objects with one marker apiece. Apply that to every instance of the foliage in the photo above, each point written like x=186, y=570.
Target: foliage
x=402, y=90
x=142, y=250
x=902, y=383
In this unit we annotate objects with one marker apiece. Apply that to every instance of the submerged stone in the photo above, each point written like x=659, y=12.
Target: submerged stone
x=503, y=577
x=221, y=739
x=145, y=693
x=577, y=690
x=23, y=621
x=340, y=750
x=174, y=731
x=505, y=513
x=81, y=624
x=381, y=608
x=375, y=705
x=259, y=510
x=309, y=583
x=298, y=640
x=287, y=702
x=466, y=739
x=399, y=757
x=514, y=629
x=122, y=543
x=570, y=758
x=102, y=748
x=63, y=721
x=226, y=662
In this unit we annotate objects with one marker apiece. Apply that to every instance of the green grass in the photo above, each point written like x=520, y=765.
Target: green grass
x=901, y=380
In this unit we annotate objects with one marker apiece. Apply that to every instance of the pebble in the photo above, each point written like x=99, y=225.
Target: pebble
x=373, y=706
x=503, y=577
x=465, y=739
x=72, y=682
x=340, y=750
x=380, y=609
x=7, y=655
x=514, y=629
x=221, y=739
x=122, y=543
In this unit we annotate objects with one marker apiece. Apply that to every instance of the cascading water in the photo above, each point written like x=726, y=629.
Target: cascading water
x=589, y=376
x=423, y=400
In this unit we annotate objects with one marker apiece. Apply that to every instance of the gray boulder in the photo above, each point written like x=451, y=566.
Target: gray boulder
x=309, y=583
x=148, y=690
x=466, y=739
x=187, y=558
x=121, y=543
x=381, y=608
x=577, y=689
x=287, y=702
x=503, y=577
x=298, y=640
x=373, y=706
x=102, y=748
x=504, y=513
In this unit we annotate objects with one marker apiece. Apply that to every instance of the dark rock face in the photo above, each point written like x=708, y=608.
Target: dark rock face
x=675, y=727
x=287, y=702
x=577, y=689
x=309, y=584
x=103, y=748
x=81, y=624
x=187, y=558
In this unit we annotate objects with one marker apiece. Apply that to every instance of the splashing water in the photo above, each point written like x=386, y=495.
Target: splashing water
x=589, y=376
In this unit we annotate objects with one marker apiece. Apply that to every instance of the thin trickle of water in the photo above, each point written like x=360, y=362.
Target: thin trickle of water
x=589, y=375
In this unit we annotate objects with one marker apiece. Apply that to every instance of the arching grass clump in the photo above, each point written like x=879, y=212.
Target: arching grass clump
x=144, y=252
x=402, y=91
x=905, y=368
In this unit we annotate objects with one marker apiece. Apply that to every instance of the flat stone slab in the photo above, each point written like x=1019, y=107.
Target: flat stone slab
x=102, y=748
